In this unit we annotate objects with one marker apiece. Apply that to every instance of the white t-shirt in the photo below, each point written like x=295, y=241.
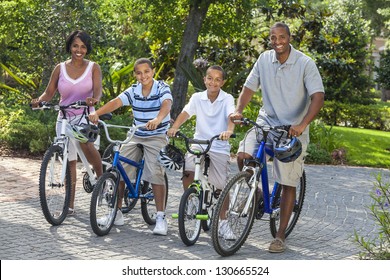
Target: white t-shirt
x=211, y=118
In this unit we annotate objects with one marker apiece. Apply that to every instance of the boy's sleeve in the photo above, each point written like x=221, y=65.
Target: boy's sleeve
x=190, y=107
x=230, y=108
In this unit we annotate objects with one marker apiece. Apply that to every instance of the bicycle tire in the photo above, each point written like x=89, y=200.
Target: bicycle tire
x=240, y=225
x=101, y=207
x=148, y=204
x=189, y=225
x=274, y=221
x=54, y=195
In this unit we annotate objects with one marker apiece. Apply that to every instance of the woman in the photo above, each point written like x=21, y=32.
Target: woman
x=76, y=79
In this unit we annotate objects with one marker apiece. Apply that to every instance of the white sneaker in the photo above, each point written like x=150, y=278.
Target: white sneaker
x=119, y=220
x=161, y=227
x=225, y=231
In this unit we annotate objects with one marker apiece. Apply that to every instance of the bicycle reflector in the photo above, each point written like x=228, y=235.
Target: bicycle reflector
x=288, y=150
x=171, y=157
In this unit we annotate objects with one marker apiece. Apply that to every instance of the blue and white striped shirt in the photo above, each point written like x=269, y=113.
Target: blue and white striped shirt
x=147, y=108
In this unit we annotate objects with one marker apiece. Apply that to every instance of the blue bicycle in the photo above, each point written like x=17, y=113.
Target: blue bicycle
x=241, y=201
x=104, y=198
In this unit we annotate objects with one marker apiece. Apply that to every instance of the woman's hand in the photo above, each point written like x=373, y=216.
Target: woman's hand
x=91, y=101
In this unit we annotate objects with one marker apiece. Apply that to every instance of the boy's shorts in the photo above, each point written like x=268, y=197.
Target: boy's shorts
x=287, y=174
x=153, y=171
x=218, y=170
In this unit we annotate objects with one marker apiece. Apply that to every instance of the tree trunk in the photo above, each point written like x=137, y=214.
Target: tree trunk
x=196, y=16
x=385, y=95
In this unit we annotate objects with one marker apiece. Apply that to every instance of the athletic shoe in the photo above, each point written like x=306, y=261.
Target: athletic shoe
x=119, y=220
x=161, y=227
x=225, y=231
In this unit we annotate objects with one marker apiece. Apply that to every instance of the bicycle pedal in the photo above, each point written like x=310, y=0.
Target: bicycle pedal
x=175, y=216
x=203, y=217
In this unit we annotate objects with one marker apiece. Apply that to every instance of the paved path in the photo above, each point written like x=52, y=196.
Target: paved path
x=335, y=206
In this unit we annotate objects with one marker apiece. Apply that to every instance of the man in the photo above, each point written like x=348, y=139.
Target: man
x=292, y=93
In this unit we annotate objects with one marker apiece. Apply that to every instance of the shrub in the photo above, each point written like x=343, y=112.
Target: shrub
x=378, y=248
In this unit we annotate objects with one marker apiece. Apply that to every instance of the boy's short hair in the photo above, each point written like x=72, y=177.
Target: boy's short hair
x=143, y=60
x=83, y=36
x=219, y=68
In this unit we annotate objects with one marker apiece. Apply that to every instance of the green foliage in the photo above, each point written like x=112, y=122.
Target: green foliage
x=323, y=141
x=378, y=248
x=340, y=50
x=317, y=155
x=324, y=137
x=21, y=131
x=383, y=70
x=374, y=116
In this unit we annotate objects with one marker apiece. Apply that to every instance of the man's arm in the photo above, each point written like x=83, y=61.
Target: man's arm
x=244, y=98
x=317, y=102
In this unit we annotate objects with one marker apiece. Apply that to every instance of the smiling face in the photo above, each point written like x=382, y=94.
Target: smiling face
x=144, y=74
x=213, y=81
x=78, y=49
x=280, y=42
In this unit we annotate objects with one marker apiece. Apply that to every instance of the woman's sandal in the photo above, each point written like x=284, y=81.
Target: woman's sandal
x=277, y=246
x=71, y=212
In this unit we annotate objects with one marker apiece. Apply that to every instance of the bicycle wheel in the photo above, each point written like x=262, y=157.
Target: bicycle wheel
x=189, y=225
x=300, y=196
x=148, y=203
x=103, y=206
x=54, y=194
x=231, y=227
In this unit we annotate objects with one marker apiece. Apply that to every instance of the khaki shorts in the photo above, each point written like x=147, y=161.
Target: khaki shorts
x=218, y=170
x=288, y=174
x=153, y=171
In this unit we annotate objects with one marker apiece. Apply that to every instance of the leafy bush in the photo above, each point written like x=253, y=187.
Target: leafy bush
x=378, y=248
x=374, y=116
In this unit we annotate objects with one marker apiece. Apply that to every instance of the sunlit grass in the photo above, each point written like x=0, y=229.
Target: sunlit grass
x=365, y=147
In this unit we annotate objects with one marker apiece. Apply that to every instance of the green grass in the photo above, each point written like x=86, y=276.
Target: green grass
x=365, y=147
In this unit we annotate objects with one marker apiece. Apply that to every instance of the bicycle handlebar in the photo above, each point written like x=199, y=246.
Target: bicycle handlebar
x=47, y=106
x=279, y=128
x=130, y=133
x=188, y=141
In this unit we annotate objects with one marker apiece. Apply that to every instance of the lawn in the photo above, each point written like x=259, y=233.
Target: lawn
x=365, y=147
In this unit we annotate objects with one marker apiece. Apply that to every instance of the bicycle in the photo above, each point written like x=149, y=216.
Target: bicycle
x=243, y=201
x=54, y=176
x=104, y=199
x=198, y=201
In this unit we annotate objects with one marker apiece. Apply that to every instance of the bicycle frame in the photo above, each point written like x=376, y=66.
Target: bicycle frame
x=65, y=136
x=117, y=166
x=260, y=161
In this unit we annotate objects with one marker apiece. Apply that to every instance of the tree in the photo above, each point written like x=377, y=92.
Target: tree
x=342, y=55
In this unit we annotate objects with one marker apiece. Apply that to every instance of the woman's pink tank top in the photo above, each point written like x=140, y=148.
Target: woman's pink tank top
x=74, y=90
